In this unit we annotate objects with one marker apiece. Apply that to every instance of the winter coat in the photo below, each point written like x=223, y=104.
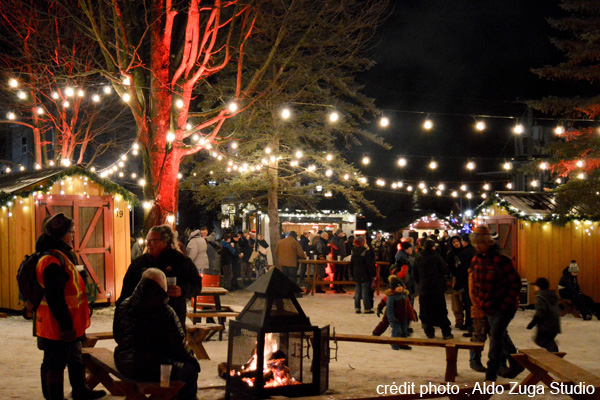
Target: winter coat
x=288, y=251
x=458, y=268
x=173, y=264
x=399, y=308
x=338, y=247
x=496, y=283
x=55, y=314
x=430, y=273
x=568, y=287
x=362, y=264
x=212, y=253
x=196, y=250
x=547, y=312
x=321, y=248
x=404, y=269
x=227, y=253
x=148, y=334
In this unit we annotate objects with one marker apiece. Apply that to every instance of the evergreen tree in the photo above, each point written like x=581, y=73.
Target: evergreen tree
x=575, y=156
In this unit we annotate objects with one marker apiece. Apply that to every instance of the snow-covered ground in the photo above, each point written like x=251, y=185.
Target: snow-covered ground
x=357, y=372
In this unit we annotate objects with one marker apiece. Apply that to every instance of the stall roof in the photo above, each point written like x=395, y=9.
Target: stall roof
x=25, y=182
x=533, y=203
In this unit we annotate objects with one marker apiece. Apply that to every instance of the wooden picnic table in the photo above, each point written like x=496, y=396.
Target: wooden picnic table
x=207, y=310
x=316, y=282
x=552, y=369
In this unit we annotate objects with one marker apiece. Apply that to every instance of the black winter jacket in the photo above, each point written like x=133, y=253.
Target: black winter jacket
x=362, y=264
x=148, y=333
x=568, y=285
x=173, y=264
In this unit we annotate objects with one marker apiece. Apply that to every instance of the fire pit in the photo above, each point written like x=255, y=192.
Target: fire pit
x=273, y=349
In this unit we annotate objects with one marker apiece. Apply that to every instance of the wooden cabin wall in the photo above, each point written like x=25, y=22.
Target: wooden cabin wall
x=544, y=250
x=17, y=227
x=18, y=235
x=122, y=243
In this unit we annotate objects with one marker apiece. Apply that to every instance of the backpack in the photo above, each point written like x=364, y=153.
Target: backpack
x=30, y=290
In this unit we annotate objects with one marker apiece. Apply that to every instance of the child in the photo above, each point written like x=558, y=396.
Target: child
x=384, y=323
x=399, y=311
x=547, y=316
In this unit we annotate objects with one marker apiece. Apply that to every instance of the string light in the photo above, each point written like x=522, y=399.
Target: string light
x=518, y=129
x=13, y=83
x=507, y=166
x=428, y=124
x=126, y=97
x=179, y=103
x=402, y=162
x=433, y=165
x=471, y=165
x=559, y=130
x=233, y=107
x=298, y=154
x=286, y=113
x=480, y=126
x=329, y=157
x=384, y=122
x=366, y=160
x=334, y=116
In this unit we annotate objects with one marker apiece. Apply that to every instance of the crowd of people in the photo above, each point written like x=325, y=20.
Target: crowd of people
x=149, y=323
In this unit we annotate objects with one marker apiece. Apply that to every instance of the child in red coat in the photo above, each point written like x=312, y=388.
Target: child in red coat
x=399, y=311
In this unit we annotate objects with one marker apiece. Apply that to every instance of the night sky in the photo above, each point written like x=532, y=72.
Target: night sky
x=457, y=59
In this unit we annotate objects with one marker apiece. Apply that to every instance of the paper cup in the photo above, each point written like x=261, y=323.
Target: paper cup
x=339, y=258
x=165, y=375
x=171, y=280
x=315, y=256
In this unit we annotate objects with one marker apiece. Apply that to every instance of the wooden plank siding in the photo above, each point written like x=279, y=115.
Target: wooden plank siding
x=545, y=250
x=19, y=232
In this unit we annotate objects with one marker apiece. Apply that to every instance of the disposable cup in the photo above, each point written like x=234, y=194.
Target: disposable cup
x=171, y=280
x=339, y=258
x=165, y=375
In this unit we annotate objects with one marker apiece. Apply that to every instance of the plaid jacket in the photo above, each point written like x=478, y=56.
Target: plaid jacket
x=496, y=283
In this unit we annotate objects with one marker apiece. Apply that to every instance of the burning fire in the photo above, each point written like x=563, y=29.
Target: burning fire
x=275, y=371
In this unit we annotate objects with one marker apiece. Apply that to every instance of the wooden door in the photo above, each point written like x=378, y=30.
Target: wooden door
x=506, y=227
x=93, y=242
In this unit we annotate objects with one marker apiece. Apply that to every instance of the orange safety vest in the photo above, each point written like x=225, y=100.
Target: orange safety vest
x=75, y=296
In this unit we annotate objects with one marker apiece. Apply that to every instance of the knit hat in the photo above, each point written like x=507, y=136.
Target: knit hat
x=405, y=245
x=359, y=241
x=340, y=230
x=542, y=283
x=573, y=267
x=429, y=244
x=395, y=282
x=466, y=238
x=58, y=225
x=293, y=234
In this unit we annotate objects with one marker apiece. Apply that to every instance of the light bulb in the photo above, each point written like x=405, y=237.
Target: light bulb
x=286, y=113
x=518, y=129
x=428, y=124
x=480, y=125
x=384, y=122
x=334, y=117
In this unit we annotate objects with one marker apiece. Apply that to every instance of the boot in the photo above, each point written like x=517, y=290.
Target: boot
x=81, y=391
x=44, y=384
x=55, y=384
x=475, y=361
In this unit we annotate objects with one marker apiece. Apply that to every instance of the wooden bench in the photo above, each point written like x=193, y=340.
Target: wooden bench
x=196, y=334
x=451, y=347
x=100, y=363
x=220, y=315
x=92, y=338
x=567, y=307
x=551, y=367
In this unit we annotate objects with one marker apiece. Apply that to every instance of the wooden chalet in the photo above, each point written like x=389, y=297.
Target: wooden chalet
x=99, y=207
x=529, y=233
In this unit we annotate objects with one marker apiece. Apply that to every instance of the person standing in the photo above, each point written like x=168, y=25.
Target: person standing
x=196, y=250
x=305, y=244
x=399, y=311
x=430, y=276
x=227, y=259
x=288, y=251
x=496, y=286
x=338, y=252
x=460, y=292
x=148, y=333
x=362, y=265
x=464, y=258
x=212, y=252
x=163, y=254
x=246, y=244
x=547, y=316
x=260, y=262
x=63, y=314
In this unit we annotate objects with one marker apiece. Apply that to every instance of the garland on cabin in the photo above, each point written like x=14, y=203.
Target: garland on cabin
x=555, y=219
x=6, y=199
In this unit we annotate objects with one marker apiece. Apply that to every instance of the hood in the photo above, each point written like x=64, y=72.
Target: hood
x=148, y=294
x=194, y=233
x=211, y=237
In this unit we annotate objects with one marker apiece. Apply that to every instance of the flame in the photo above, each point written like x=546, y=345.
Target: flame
x=276, y=367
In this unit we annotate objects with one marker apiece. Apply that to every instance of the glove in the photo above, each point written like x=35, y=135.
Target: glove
x=379, y=312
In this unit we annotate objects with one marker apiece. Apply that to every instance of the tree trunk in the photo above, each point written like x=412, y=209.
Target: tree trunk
x=272, y=207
